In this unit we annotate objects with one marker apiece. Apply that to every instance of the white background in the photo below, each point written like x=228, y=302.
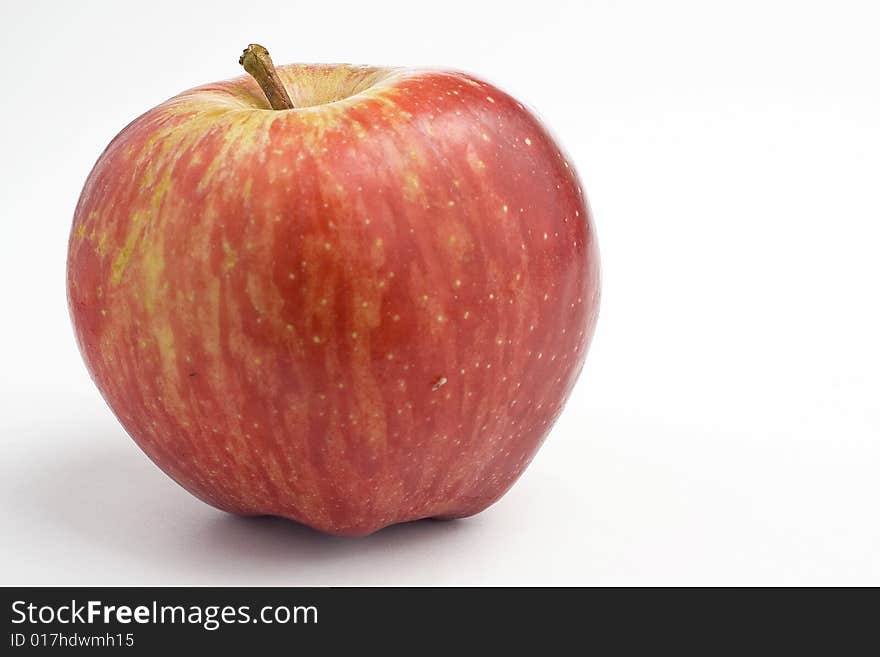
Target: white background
x=726, y=429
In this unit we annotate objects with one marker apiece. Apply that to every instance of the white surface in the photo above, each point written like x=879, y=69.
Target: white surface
x=727, y=427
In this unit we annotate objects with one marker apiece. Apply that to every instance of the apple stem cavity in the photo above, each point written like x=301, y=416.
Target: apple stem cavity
x=257, y=62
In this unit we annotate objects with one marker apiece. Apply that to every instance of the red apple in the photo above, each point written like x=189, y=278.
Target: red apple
x=364, y=310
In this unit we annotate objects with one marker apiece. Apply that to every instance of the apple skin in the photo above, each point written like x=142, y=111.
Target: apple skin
x=363, y=311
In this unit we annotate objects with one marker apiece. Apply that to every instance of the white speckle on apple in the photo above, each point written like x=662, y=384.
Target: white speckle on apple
x=528, y=141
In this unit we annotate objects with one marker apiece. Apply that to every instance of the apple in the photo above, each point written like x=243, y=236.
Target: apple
x=350, y=296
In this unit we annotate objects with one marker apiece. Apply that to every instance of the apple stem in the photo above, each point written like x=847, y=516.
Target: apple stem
x=257, y=62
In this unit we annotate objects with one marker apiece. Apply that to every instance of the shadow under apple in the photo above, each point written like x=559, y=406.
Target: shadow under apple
x=113, y=500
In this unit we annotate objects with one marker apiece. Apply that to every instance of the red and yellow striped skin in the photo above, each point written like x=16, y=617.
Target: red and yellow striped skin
x=351, y=314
